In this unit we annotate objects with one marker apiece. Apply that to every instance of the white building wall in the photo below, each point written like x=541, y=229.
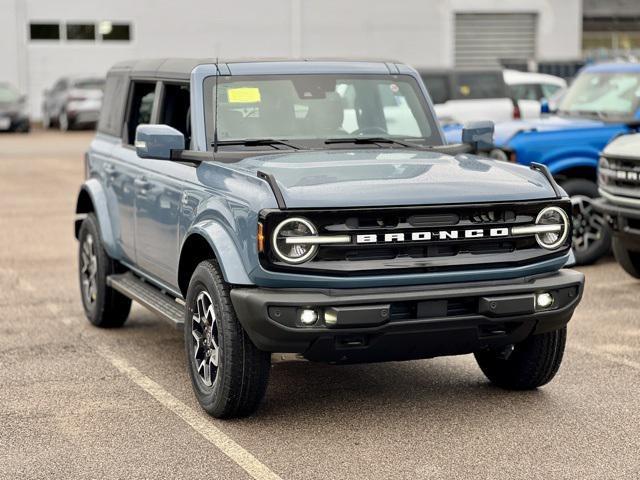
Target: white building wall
x=419, y=32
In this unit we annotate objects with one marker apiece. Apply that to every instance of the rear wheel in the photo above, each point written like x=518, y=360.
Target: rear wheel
x=591, y=235
x=228, y=373
x=628, y=259
x=530, y=365
x=103, y=306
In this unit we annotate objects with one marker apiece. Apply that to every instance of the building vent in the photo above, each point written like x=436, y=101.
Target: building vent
x=485, y=39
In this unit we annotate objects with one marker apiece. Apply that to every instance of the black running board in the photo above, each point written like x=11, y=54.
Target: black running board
x=149, y=297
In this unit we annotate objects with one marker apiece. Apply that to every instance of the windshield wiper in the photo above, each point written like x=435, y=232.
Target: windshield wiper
x=370, y=140
x=254, y=142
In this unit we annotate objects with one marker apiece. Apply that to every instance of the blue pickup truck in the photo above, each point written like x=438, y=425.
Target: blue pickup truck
x=602, y=103
x=313, y=208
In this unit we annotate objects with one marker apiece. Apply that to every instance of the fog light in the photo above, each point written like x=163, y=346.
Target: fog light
x=544, y=300
x=308, y=317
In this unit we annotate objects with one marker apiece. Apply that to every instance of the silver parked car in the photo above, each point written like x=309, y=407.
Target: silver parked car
x=73, y=102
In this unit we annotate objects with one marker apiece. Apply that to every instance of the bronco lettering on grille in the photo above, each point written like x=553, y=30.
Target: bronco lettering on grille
x=430, y=236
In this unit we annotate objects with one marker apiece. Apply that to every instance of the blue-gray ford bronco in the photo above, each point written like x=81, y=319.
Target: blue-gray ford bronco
x=314, y=208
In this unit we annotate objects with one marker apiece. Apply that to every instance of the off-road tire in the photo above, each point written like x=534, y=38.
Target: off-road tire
x=586, y=189
x=242, y=371
x=109, y=308
x=532, y=363
x=628, y=259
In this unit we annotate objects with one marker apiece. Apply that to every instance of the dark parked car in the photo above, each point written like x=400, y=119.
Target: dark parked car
x=73, y=102
x=314, y=208
x=13, y=110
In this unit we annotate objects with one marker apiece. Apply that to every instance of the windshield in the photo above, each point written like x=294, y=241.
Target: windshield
x=8, y=94
x=319, y=107
x=603, y=93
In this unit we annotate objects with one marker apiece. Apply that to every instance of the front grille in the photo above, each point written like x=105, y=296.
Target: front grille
x=439, y=253
x=620, y=176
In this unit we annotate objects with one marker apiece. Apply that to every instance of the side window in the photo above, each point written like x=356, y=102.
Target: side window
x=112, y=106
x=175, y=109
x=140, y=107
x=60, y=85
x=524, y=91
x=549, y=90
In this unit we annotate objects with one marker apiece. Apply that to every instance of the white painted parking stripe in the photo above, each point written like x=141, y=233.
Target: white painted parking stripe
x=607, y=356
x=195, y=420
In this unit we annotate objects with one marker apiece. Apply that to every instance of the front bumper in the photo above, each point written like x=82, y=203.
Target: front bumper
x=402, y=323
x=624, y=220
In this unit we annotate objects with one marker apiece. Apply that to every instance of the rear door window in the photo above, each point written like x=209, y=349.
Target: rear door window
x=477, y=85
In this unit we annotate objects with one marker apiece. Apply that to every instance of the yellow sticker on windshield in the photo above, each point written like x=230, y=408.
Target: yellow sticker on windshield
x=465, y=90
x=243, y=95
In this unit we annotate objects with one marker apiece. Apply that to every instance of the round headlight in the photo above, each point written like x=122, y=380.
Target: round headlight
x=498, y=154
x=552, y=216
x=290, y=229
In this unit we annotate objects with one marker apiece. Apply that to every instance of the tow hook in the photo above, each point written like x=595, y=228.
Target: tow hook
x=506, y=352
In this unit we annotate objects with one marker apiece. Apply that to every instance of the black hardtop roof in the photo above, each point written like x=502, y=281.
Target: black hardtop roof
x=182, y=67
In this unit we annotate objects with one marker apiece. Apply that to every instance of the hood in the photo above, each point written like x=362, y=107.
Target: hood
x=625, y=146
x=390, y=177
x=504, y=131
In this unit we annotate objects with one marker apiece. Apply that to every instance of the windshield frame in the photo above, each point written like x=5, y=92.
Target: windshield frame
x=435, y=137
x=604, y=115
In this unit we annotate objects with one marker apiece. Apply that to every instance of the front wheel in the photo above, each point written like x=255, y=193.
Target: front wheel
x=628, y=259
x=228, y=373
x=591, y=235
x=530, y=365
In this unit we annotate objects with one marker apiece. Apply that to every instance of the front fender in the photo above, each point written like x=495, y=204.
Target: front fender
x=93, y=189
x=224, y=248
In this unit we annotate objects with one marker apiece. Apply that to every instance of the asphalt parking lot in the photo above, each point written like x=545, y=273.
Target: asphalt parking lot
x=79, y=402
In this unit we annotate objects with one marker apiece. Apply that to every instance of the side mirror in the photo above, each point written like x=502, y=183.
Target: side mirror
x=157, y=141
x=479, y=135
x=544, y=106
x=22, y=99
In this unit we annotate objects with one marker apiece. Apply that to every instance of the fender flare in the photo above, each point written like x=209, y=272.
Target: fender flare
x=562, y=164
x=94, y=190
x=224, y=248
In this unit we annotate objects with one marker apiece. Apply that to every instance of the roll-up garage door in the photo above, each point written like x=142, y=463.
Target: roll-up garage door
x=484, y=39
